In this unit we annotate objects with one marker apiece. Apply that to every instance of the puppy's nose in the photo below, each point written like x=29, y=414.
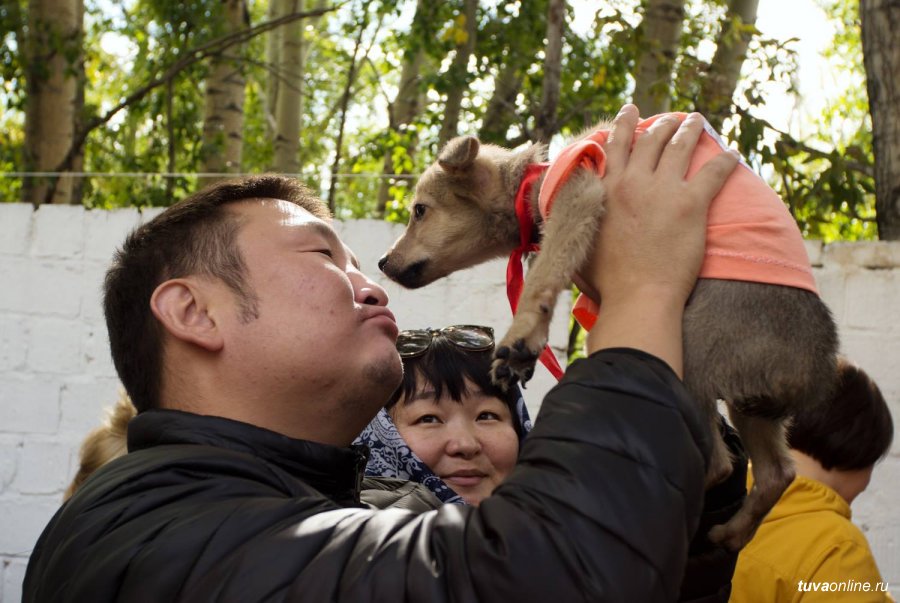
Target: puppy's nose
x=382, y=262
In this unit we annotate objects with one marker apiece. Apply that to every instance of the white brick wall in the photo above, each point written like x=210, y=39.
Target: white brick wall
x=56, y=376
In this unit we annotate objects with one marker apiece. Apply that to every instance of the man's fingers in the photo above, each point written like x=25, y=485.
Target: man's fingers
x=649, y=147
x=711, y=177
x=618, y=143
x=678, y=153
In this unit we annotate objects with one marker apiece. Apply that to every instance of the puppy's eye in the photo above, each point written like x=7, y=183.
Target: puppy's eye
x=419, y=210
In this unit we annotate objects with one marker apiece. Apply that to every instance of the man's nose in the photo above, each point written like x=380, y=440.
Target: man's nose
x=368, y=291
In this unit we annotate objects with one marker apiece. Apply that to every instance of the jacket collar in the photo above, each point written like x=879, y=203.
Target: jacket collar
x=336, y=472
x=805, y=495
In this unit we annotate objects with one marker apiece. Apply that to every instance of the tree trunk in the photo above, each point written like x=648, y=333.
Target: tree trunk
x=352, y=71
x=273, y=62
x=501, y=109
x=223, y=123
x=289, y=99
x=717, y=90
x=546, y=125
x=410, y=98
x=52, y=55
x=881, y=56
x=501, y=112
x=80, y=84
x=660, y=34
x=190, y=57
x=458, y=74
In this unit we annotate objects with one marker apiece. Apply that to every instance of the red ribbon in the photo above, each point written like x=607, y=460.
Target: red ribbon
x=515, y=279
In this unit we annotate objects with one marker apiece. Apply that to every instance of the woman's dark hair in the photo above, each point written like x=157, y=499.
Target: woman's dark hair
x=446, y=366
x=852, y=431
x=197, y=236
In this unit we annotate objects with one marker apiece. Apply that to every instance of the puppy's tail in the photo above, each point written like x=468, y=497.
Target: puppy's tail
x=104, y=443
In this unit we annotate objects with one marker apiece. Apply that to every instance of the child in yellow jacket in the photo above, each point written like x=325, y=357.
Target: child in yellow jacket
x=807, y=549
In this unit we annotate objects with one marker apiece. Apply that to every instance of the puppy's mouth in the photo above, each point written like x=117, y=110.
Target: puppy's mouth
x=412, y=277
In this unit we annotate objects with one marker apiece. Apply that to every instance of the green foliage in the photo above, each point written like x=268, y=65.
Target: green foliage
x=12, y=98
x=152, y=34
x=826, y=180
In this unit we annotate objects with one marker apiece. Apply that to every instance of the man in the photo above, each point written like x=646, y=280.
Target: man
x=256, y=350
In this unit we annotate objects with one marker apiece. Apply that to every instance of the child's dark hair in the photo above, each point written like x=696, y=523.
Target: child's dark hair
x=446, y=367
x=853, y=431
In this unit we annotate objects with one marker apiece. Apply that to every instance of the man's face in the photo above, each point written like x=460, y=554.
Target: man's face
x=323, y=337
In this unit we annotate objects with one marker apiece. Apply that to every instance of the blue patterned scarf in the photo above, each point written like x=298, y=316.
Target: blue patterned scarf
x=390, y=455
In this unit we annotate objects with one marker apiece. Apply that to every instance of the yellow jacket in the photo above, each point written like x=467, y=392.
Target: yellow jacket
x=808, y=537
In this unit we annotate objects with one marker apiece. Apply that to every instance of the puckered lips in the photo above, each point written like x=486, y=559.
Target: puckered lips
x=383, y=316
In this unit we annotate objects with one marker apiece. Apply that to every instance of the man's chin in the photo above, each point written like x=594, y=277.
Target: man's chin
x=382, y=378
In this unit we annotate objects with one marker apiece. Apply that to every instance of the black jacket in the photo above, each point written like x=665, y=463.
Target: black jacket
x=600, y=507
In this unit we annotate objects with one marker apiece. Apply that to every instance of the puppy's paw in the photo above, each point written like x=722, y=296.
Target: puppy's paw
x=519, y=350
x=513, y=363
x=733, y=536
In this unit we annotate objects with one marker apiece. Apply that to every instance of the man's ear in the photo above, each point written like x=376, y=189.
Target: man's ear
x=181, y=305
x=459, y=154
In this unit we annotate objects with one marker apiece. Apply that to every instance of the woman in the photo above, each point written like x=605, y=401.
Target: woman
x=448, y=426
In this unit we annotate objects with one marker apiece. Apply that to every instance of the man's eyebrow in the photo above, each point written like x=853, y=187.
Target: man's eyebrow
x=327, y=232
x=324, y=230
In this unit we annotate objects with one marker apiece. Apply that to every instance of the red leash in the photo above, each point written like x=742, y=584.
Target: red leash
x=515, y=279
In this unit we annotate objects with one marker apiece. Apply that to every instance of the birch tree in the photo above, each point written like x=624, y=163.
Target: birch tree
x=273, y=60
x=881, y=56
x=223, y=122
x=52, y=62
x=546, y=125
x=458, y=75
x=410, y=98
x=659, y=35
x=289, y=96
x=717, y=89
x=508, y=41
x=290, y=69
x=352, y=72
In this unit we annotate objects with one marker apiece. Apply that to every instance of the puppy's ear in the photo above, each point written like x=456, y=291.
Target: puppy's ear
x=459, y=154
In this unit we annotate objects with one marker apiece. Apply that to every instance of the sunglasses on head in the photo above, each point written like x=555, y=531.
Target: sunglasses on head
x=474, y=338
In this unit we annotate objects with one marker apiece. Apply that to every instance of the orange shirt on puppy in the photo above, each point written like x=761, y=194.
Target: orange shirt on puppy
x=750, y=236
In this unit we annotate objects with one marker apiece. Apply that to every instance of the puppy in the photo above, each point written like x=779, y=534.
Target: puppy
x=765, y=349
x=104, y=443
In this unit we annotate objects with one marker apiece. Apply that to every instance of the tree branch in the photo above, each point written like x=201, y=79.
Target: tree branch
x=191, y=57
x=792, y=144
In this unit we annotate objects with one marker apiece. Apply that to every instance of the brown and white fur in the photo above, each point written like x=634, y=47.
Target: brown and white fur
x=105, y=443
x=764, y=349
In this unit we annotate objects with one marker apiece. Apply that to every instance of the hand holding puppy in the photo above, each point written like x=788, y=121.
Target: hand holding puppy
x=651, y=242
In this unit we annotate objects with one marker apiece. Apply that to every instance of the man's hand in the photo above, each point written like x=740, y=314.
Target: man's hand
x=651, y=241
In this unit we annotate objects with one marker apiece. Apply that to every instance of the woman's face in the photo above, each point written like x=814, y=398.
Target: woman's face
x=472, y=445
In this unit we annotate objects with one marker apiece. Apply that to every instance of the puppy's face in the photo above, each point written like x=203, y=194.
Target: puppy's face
x=452, y=217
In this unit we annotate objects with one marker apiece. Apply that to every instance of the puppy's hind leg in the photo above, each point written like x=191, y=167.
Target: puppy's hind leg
x=773, y=472
x=567, y=238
